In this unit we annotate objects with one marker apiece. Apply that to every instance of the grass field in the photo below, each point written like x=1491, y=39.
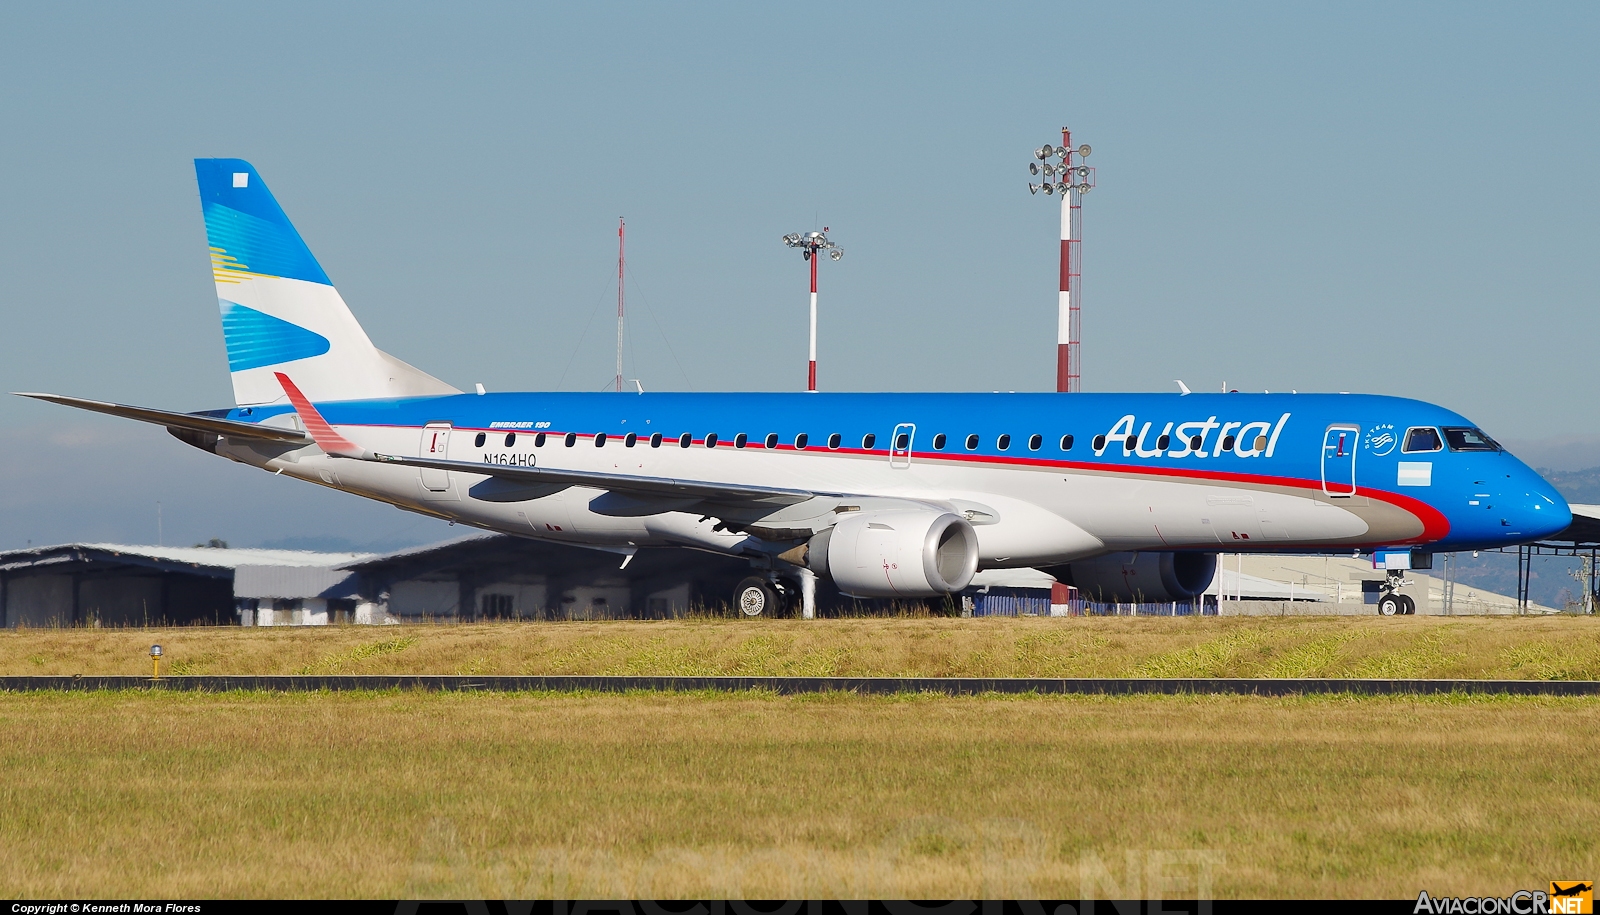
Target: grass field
x=1566, y=648
x=160, y=795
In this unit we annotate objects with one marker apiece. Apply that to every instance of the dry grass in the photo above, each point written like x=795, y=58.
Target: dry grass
x=411, y=794
x=1550, y=648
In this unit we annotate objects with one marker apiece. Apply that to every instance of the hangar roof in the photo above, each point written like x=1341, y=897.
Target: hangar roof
x=1584, y=530
x=198, y=558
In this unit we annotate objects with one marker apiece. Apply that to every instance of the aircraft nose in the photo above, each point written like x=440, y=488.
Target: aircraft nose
x=1538, y=511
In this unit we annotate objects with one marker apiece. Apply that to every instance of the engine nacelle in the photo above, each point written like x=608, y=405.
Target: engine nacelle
x=1135, y=577
x=908, y=553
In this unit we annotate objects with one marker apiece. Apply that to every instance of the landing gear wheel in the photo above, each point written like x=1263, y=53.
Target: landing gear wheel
x=755, y=597
x=1407, y=605
x=1389, y=605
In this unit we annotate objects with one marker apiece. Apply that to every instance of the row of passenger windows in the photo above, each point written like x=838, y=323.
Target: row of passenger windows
x=1418, y=439
x=801, y=441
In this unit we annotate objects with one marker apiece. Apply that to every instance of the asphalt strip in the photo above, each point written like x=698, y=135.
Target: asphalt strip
x=952, y=686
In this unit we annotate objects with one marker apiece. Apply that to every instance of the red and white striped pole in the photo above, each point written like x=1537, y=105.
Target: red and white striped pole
x=1069, y=371
x=622, y=229
x=1074, y=181
x=811, y=370
x=812, y=245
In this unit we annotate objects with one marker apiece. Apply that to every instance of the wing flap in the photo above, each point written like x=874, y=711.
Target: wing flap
x=645, y=487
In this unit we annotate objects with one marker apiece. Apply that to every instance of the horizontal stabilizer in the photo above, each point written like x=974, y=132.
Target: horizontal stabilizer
x=231, y=428
x=649, y=487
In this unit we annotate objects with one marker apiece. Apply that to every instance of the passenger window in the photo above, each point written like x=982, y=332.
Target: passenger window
x=972, y=442
x=655, y=440
x=1194, y=443
x=1422, y=438
x=1466, y=438
x=1003, y=442
x=599, y=439
x=538, y=440
x=902, y=441
x=938, y=442
x=740, y=440
x=685, y=440
x=868, y=440
x=1066, y=442
x=711, y=439
x=511, y=439
x=631, y=440
x=772, y=440
x=479, y=440
x=834, y=440
x=572, y=439
x=1227, y=443
x=1034, y=441
x=800, y=441
x=1098, y=443
x=1131, y=443
x=1163, y=442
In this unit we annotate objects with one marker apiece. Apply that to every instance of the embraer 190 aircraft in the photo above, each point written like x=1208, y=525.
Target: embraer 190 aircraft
x=1126, y=496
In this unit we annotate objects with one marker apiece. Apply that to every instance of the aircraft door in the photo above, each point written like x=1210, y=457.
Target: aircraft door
x=1339, y=459
x=436, y=445
x=900, y=445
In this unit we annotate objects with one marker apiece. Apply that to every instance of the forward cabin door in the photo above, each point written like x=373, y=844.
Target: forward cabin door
x=1339, y=459
x=900, y=445
x=436, y=445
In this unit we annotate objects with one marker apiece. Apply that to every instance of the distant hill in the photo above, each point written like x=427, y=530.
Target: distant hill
x=1576, y=485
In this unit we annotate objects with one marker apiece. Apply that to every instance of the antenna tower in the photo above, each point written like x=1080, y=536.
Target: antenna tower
x=1071, y=181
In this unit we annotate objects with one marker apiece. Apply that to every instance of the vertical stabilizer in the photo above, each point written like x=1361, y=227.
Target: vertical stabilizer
x=278, y=307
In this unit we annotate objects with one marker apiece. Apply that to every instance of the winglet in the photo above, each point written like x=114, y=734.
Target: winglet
x=322, y=433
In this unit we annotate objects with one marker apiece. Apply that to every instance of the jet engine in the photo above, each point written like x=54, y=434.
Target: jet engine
x=1134, y=577
x=909, y=553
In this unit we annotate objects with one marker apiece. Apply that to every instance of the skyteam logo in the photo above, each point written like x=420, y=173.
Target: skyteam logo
x=1381, y=439
x=1258, y=438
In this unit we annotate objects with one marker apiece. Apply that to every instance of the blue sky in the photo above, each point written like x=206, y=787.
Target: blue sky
x=1380, y=197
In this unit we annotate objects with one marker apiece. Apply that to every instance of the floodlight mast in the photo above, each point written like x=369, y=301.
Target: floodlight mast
x=811, y=245
x=1075, y=181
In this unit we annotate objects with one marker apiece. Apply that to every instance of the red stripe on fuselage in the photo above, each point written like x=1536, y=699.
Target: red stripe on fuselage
x=1434, y=524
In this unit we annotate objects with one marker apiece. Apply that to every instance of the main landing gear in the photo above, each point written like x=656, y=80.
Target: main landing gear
x=755, y=597
x=1390, y=601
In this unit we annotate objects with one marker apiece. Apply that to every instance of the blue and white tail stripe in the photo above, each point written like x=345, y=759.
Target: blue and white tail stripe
x=256, y=339
x=278, y=307
x=248, y=232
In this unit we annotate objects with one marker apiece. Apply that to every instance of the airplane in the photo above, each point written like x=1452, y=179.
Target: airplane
x=1125, y=496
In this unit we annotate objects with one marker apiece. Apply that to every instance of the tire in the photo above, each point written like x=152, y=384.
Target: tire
x=1390, y=605
x=1408, y=606
x=755, y=597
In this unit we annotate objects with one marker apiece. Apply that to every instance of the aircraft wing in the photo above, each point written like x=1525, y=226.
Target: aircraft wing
x=231, y=428
x=627, y=484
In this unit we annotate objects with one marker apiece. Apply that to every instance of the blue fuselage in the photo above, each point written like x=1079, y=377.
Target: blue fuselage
x=1133, y=471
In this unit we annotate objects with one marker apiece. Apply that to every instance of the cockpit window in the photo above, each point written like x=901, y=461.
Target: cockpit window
x=1422, y=438
x=1466, y=438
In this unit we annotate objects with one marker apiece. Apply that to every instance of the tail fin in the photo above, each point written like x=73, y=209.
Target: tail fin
x=279, y=308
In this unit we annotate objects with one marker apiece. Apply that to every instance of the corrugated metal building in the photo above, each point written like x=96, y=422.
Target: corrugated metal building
x=106, y=584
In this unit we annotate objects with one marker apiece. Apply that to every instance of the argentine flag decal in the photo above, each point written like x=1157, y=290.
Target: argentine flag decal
x=255, y=339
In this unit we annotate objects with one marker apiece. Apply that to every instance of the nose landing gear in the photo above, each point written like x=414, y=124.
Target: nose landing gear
x=1390, y=601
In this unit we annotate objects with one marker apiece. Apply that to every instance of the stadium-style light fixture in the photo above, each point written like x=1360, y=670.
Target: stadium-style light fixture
x=1071, y=180
x=812, y=245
